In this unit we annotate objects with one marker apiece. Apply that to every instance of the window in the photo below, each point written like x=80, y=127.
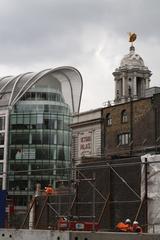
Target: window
x=42, y=154
x=46, y=108
x=1, y=181
x=37, y=138
x=1, y=168
x=124, y=116
x=33, y=95
x=18, y=185
x=61, y=154
x=1, y=138
x=19, y=200
x=20, y=138
x=38, y=94
x=109, y=119
x=42, y=96
x=41, y=169
x=19, y=168
x=1, y=153
x=59, y=124
x=124, y=138
x=2, y=123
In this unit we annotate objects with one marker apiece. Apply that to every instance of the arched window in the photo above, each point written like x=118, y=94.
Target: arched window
x=109, y=119
x=124, y=116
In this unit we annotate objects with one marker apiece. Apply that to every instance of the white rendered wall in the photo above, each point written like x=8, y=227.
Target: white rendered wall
x=86, y=135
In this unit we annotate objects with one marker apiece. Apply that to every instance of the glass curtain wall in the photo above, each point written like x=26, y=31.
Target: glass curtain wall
x=39, y=143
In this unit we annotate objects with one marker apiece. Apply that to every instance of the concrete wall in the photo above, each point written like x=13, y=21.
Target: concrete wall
x=112, y=236
x=8, y=234
x=56, y=235
x=87, y=116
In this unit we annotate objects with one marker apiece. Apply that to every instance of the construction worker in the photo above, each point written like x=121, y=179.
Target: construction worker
x=62, y=223
x=49, y=189
x=128, y=225
x=136, y=227
x=124, y=226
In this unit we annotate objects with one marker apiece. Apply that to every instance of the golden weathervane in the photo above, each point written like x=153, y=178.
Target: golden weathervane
x=132, y=37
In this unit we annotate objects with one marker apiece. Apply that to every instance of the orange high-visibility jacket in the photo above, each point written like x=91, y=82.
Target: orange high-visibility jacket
x=123, y=227
x=49, y=190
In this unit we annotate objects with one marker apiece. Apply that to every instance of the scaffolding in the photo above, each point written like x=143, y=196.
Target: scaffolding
x=101, y=192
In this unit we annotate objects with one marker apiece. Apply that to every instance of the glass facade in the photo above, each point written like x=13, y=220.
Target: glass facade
x=39, y=142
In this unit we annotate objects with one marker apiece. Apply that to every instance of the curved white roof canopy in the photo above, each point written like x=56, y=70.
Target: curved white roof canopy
x=13, y=88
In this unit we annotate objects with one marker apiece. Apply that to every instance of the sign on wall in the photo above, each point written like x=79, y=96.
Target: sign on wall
x=85, y=144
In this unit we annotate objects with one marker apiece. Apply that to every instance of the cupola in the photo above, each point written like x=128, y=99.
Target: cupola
x=132, y=77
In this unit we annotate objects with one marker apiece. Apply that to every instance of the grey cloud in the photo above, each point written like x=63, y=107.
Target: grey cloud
x=30, y=25
x=37, y=32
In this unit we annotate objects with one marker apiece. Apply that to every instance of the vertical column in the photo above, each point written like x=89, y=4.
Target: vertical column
x=93, y=146
x=123, y=93
x=116, y=87
x=143, y=87
x=4, y=184
x=147, y=80
x=29, y=178
x=123, y=86
x=129, y=87
x=135, y=86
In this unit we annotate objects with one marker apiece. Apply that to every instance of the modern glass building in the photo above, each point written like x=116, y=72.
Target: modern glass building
x=35, y=136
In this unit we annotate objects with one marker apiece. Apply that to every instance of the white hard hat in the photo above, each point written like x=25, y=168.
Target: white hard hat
x=135, y=223
x=127, y=220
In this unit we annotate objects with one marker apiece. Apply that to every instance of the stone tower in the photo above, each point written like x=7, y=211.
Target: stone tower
x=132, y=78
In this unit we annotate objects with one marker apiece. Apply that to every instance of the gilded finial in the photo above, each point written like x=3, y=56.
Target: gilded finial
x=132, y=37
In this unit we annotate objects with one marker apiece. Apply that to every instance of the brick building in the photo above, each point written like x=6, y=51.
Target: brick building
x=129, y=128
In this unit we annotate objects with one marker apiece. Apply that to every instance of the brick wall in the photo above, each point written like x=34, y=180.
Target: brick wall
x=140, y=124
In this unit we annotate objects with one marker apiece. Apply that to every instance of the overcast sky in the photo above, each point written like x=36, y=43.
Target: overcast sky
x=90, y=35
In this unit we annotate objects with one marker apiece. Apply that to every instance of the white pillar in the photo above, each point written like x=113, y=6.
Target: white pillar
x=147, y=82
x=31, y=216
x=116, y=87
x=4, y=184
x=123, y=86
x=135, y=86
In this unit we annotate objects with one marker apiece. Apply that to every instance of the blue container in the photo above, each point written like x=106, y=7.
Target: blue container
x=3, y=196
